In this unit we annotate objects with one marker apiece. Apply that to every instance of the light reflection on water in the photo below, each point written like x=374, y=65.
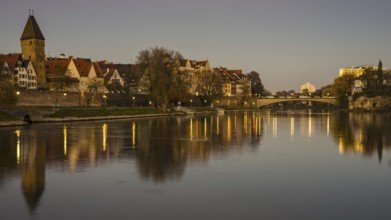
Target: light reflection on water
x=251, y=165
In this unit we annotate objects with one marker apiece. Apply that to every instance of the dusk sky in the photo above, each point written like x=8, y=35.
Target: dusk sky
x=289, y=42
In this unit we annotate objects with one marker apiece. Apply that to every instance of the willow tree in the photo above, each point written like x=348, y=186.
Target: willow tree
x=161, y=77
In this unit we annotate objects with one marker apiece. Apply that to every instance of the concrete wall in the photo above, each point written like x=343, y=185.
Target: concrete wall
x=63, y=99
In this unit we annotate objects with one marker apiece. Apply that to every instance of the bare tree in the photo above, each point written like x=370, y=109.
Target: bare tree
x=245, y=87
x=161, y=76
x=209, y=86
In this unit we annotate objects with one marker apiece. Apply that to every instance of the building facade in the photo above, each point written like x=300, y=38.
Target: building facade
x=22, y=72
x=234, y=82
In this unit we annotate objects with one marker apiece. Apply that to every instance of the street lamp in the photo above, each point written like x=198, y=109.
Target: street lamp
x=17, y=93
x=191, y=102
x=104, y=100
x=133, y=98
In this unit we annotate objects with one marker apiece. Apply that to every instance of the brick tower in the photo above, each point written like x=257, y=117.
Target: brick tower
x=33, y=48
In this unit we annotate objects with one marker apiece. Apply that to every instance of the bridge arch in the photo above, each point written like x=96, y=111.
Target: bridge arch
x=268, y=101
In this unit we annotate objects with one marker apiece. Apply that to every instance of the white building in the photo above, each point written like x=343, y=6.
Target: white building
x=307, y=87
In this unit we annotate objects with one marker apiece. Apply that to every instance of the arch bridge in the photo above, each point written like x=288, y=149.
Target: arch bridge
x=267, y=101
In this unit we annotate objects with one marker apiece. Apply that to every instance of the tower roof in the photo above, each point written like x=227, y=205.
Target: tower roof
x=32, y=30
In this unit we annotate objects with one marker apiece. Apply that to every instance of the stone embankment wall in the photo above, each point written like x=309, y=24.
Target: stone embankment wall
x=60, y=99
x=377, y=103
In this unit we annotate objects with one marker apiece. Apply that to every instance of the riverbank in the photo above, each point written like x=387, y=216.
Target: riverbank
x=7, y=119
x=17, y=117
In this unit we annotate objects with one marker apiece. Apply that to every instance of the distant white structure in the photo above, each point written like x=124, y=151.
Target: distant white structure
x=358, y=86
x=357, y=71
x=307, y=87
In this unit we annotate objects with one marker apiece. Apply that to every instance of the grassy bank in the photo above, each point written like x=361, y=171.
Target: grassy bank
x=7, y=117
x=97, y=112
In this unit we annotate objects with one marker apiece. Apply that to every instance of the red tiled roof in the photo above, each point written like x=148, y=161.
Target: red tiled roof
x=98, y=70
x=57, y=67
x=83, y=66
x=183, y=62
x=202, y=63
x=11, y=59
x=104, y=66
x=109, y=74
x=239, y=72
x=229, y=75
x=193, y=63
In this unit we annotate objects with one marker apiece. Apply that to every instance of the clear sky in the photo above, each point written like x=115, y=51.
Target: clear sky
x=289, y=42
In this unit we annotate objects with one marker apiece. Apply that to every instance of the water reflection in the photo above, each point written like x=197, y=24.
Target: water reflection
x=33, y=161
x=304, y=123
x=167, y=146
x=163, y=148
x=362, y=133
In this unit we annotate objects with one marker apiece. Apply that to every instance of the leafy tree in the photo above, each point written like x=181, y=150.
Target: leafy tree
x=282, y=93
x=7, y=92
x=266, y=93
x=342, y=88
x=317, y=92
x=209, y=86
x=257, y=87
x=161, y=76
x=327, y=91
x=380, y=75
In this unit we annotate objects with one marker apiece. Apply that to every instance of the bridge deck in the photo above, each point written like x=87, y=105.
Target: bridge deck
x=268, y=101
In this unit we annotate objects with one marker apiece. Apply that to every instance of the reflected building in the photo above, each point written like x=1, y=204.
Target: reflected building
x=9, y=154
x=304, y=123
x=192, y=140
x=363, y=133
x=161, y=147
x=33, y=162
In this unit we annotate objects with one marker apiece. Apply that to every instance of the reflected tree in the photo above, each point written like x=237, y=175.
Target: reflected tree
x=363, y=133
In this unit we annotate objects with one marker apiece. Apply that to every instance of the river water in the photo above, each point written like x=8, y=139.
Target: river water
x=238, y=165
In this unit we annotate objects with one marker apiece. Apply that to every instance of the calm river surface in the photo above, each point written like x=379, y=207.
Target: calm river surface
x=251, y=165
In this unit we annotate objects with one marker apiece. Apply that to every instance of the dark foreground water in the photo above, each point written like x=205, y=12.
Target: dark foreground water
x=254, y=165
